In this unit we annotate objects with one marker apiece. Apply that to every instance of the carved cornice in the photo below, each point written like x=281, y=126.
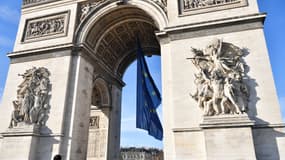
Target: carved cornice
x=206, y=28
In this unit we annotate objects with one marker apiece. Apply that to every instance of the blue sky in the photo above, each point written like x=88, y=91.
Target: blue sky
x=274, y=33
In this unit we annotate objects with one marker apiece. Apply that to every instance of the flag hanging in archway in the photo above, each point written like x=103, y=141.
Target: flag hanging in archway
x=148, y=99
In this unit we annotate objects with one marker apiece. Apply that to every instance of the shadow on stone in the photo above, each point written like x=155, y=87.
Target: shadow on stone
x=266, y=139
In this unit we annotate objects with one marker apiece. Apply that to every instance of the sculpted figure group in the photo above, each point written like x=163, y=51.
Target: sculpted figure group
x=32, y=103
x=45, y=27
x=220, y=79
x=192, y=4
x=26, y=2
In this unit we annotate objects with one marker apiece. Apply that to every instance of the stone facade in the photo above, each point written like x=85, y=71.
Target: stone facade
x=133, y=153
x=86, y=47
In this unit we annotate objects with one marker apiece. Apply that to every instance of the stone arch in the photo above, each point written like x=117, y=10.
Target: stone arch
x=100, y=30
x=108, y=33
x=99, y=119
x=155, y=11
x=101, y=93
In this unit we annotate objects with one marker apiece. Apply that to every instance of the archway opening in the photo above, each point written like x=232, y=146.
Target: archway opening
x=134, y=141
x=112, y=41
x=113, y=38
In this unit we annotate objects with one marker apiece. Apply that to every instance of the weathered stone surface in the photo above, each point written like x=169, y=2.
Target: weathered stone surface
x=229, y=144
x=97, y=50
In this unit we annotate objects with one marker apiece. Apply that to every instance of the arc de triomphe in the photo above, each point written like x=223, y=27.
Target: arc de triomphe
x=64, y=85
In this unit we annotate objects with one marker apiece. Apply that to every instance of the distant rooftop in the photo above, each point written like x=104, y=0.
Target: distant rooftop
x=140, y=149
x=141, y=153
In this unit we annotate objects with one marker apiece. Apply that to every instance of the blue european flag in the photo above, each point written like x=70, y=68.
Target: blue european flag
x=148, y=99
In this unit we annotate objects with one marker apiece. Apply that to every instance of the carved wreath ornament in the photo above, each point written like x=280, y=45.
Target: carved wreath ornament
x=33, y=94
x=220, y=79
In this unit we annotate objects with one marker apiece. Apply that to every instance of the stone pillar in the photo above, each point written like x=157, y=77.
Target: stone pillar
x=78, y=110
x=98, y=133
x=243, y=28
x=30, y=140
x=20, y=142
x=168, y=137
x=115, y=124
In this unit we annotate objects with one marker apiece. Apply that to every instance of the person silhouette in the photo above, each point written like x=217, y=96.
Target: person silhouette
x=57, y=157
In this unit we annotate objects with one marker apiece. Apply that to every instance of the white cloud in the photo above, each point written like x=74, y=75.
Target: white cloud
x=8, y=14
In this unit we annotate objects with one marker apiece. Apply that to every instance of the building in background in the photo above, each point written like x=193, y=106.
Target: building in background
x=133, y=153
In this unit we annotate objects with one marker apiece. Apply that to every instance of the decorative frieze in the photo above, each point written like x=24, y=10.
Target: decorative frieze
x=46, y=27
x=33, y=96
x=28, y=2
x=202, y=6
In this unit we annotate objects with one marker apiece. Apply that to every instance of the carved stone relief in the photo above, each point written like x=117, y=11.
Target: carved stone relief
x=220, y=79
x=94, y=122
x=201, y=6
x=28, y=2
x=193, y=4
x=33, y=95
x=162, y=4
x=46, y=27
x=86, y=7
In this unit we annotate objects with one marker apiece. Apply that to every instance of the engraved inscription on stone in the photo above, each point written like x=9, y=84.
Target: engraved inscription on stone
x=201, y=6
x=33, y=96
x=221, y=72
x=46, y=27
x=94, y=122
